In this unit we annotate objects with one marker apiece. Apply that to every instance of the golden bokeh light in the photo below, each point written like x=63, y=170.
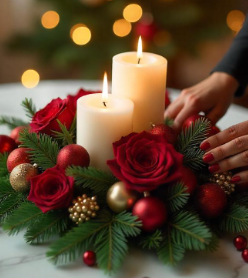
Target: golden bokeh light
x=75, y=27
x=30, y=78
x=81, y=35
x=132, y=12
x=122, y=28
x=161, y=38
x=235, y=20
x=50, y=19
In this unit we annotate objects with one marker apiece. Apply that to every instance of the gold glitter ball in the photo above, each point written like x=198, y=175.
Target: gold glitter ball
x=224, y=181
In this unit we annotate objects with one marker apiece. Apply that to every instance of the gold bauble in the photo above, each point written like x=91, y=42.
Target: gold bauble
x=224, y=181
x=119, y=198
x=21, y=175
x=83, y=209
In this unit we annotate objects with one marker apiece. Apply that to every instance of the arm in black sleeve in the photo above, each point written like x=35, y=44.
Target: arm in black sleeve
x=235, y=62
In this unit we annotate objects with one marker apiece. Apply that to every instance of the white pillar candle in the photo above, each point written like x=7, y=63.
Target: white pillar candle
x=102, y=119
x=144, y=83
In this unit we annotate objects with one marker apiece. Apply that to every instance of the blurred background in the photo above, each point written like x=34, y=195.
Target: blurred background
x=76, y=39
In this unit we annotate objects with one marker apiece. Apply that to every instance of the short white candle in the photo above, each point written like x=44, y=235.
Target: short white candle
x=144, y=83
x=102, y=119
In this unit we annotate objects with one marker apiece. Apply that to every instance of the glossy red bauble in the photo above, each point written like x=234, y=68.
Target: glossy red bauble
x=15, y=133
x=240, y=242
x=245, y=255
x=165, y=130
x=152, y=212
x=7, y=144
x=17, y=157
x=214, y=130
x=210, y=200
x=73, y=155
x=89, y=258
x=189, y=179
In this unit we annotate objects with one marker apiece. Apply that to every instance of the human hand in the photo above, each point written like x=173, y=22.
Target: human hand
x=212, y=96
x=228, y=150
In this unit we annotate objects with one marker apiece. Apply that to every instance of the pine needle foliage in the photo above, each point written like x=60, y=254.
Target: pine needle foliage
x=52, y=223
x=66, y=136
x=43, y=149
x=24, y=216
x=189, y=231
x=170, y=252
x=91, y=178
x=235, y=219
x=168, y=121
x=176, y=196
x=241, y=199
x=108, y=234
x=213, y=244
x=152, y=241
x=12, y=122
x=29, y=107
x=3, y=165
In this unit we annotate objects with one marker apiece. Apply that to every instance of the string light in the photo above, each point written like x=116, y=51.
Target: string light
x=30, y=79
x=81, y=35
x=50, y=19
x=235, y=20
x=132, y=12
x=75, y=27
x=122, y=28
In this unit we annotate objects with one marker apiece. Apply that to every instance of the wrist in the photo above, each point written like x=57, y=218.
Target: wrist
x=227, y=81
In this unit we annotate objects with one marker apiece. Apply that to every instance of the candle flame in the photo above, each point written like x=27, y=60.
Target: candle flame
x=139, y=52
x=105, y=89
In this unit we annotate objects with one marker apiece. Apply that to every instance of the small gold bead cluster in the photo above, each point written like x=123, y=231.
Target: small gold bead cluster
x=84, y=208
x=224, y=181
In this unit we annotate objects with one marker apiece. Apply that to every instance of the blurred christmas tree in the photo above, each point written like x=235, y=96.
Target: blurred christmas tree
x=83, y=35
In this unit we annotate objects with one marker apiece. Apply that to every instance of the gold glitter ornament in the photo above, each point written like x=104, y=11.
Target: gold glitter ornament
x=119, y=198
x=224, y=181
x=84, y=208
x=21, y=175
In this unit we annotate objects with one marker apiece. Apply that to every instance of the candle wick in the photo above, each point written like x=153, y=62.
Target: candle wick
x=139, y=60
x=104, y=103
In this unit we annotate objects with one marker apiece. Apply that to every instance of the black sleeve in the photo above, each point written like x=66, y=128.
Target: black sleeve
x=235, y=62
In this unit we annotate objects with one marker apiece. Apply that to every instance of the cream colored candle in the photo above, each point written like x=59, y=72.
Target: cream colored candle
x=144, y=83
x=101, y=120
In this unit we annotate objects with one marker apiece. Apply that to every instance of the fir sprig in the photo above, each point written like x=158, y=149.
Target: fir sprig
x=66, y=136
x=176, y=196
x=3, y=164
x=43, y=150
x=29, y=107
x=152, y=241
x=12, y=122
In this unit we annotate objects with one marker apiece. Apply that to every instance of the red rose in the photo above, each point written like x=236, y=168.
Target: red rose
x=72, y=100
x=145, y=161
x=45, y=120
x=51, y=190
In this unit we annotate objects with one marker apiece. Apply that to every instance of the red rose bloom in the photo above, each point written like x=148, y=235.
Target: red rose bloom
x=72, y=100
x=145, y=161
x=51, y=190
x=45, y=120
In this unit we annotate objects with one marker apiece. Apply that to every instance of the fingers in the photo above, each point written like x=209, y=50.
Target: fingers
x=241, y=177
x=215, y=114
x=225, y=136
x=173, y=109
x=185, y=113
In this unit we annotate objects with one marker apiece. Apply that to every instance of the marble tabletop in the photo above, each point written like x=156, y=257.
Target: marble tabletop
x=18, y=259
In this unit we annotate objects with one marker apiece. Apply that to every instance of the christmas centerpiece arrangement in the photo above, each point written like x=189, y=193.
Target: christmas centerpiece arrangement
x=95, y=174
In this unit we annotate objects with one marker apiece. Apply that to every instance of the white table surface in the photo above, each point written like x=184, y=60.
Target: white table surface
x=18, y=259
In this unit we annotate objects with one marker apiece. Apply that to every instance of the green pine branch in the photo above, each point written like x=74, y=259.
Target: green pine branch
x=168, y=121
x=3, y=165
x=12, y=122
x=43, y=150
x=241, y=199
x=170, y=252
x=213, y=244
x=235, y=219
x=29, y=107
x=193, y=158
x=176, y=196
x=189, y=231
x=91, y=178
x=24, y=216
x=51, y=224
x=152, y=241
x=65, y=136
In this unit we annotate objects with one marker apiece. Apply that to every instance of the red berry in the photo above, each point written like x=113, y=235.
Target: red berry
x=245, y=255
x=17, y=157
x=7, y=144
x=240, y=242
x=189, y=179
x=16, y=132
x=89, y=258
x=168, y=132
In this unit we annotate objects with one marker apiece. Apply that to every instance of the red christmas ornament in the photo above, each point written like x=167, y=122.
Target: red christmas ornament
x=169, y=133
x=214, y=130
x=240, y=242
x=89, y=258
x=17, y=157
x=7, y=144
x=152, y=212
x=210, y=200
x=16, y=132
x=73, y=155
x=245, y=255
x=189, y=179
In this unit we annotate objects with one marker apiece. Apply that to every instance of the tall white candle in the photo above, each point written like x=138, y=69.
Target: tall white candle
x=141, y=77
x=102, y=119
